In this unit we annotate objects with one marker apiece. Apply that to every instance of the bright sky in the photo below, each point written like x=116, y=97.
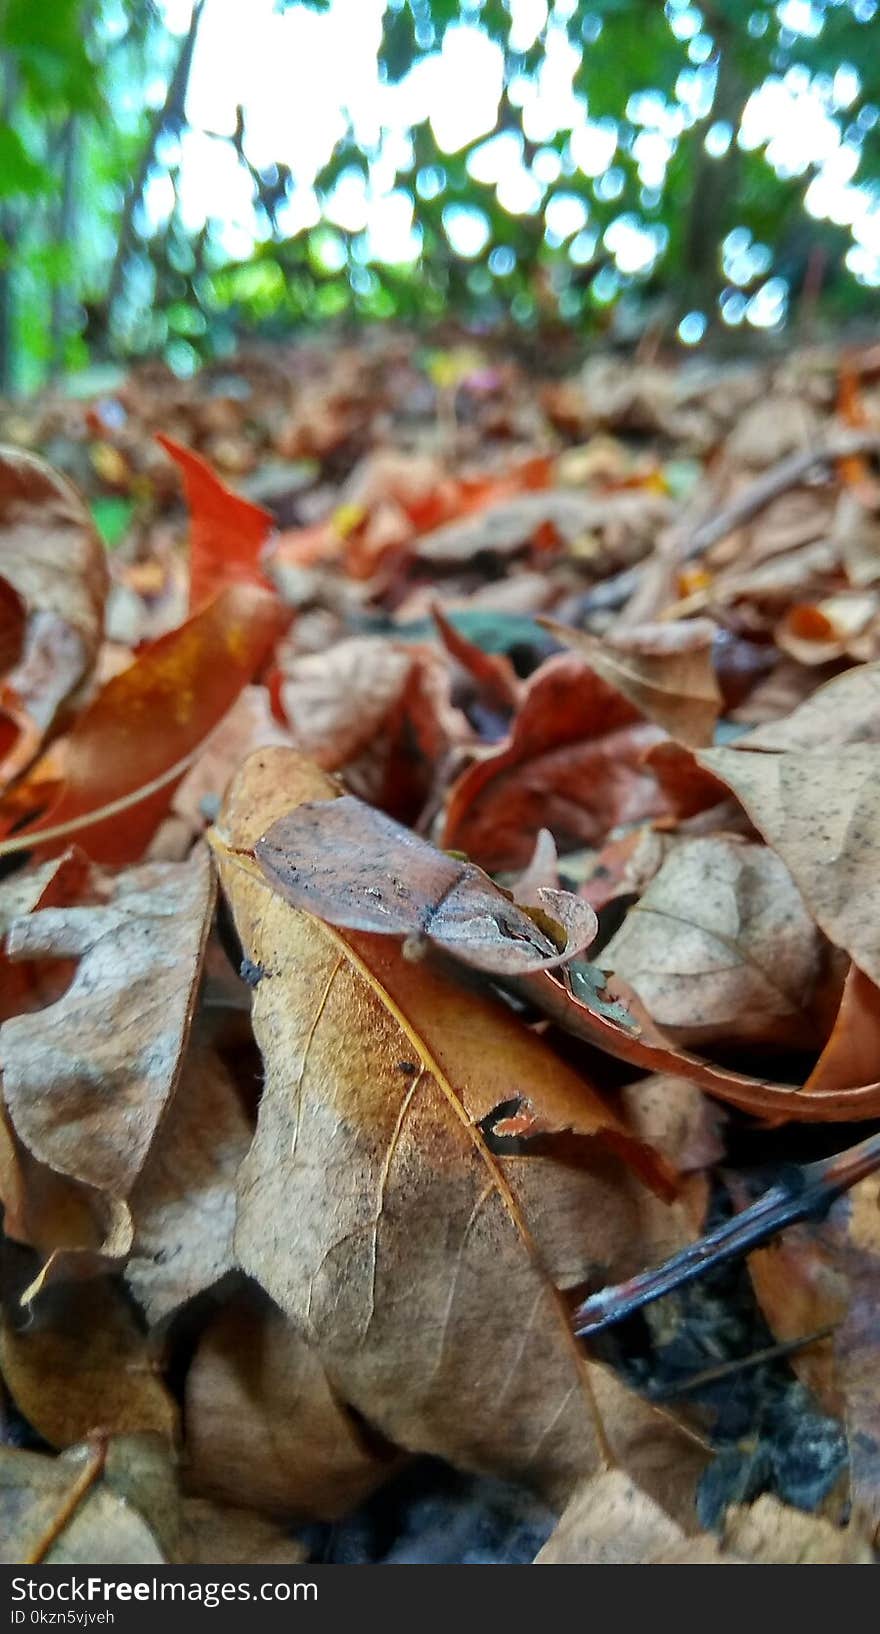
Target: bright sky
x=299, y=75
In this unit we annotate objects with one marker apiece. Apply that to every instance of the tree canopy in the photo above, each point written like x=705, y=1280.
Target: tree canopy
x=643, y=140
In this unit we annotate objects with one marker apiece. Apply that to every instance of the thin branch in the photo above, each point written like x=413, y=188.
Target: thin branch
x=804, y=1193
x=170, y=115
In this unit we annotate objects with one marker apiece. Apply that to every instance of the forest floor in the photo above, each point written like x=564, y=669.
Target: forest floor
x=440, y=852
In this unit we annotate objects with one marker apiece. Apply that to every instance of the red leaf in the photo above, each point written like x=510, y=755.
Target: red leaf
x=132, y=745
x=227, y=533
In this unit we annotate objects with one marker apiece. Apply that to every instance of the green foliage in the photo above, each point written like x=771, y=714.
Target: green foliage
x=86, y=270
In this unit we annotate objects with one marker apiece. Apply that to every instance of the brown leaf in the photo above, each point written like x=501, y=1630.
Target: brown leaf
x=87, y=1080
x=372, y=1206
x=59, y=1512
x=326, y=856
x=851, y=1055
x=183, y=1202
x=844, y=710
x=665, y=670
x=130, y=747
x=572, y=764
x=720, y=947
x=379, y=712
x=264, y=1427
x=80, y=1366
x=53, y=558
x=627, y=520
x=219, y=1535
x=829, y=1275
x=56, y=884
x=610, y=1522
x=820, y=810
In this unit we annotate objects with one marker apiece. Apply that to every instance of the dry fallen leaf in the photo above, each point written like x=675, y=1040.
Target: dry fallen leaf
x=325, y=857
x=122, y=1024
x=820, y=810
x=720, y=947
x=264, y=1427
x=572, y=764
x=665, y=670
x=53, y=560
x=610, y=1522
x=78, y=1366
x=59, y=1512
x=373, y=1207
x=227, y=534
x=133, y=743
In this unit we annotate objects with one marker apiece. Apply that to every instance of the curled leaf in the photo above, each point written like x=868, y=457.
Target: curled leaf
x=354, y=867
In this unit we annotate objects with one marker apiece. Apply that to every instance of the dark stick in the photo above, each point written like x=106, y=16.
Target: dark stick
x=804, y=1193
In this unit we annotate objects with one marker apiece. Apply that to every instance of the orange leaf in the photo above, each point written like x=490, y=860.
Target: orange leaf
x=227, y=533
x=131, y=746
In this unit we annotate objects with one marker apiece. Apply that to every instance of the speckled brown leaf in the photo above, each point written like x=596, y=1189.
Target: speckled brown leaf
x=665, y=670
x=356, y=868
x=372, y=1206
x=87, y=1080
x=52, y=556
x=820, y=810
x=720, y=947
x=844, y=710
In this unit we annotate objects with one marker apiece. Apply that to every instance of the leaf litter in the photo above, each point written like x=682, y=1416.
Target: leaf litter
x=535, y=747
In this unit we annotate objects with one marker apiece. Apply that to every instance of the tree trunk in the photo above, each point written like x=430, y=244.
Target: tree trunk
x=715, y=182
x=170, y=116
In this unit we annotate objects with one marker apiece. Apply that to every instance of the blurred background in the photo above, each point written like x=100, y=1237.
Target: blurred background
x=175, y=176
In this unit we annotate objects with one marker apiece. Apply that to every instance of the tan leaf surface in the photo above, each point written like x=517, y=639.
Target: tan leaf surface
x=80, y=1365
x=611, y=1522
x=59, y=1512
x=52, y=555
x=665, y=670
x=372, y=1207
x=720, y=946
x=264, y=1428
x=220, y=1535
x=87, y=1080
x=820, y=810
x=183, y=1203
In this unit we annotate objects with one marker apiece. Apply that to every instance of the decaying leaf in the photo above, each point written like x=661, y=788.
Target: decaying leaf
x=87, y=1080
x=820, y=810
x=78, y=1366
x=418, y=1283
x=135, y=740
x=52, y=559
x=610, y=1522
x=325, y=857
x=264, y=1427
x=183, y=1202
x=720, y=946
x=572, y=763
x=665, y=670
x=227, y=534
x=60, y=1512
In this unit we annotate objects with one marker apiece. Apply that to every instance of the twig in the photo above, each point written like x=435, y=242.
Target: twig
x=612, y=593
x=742, y=1364
x=804, y=1193
x=775, y=482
